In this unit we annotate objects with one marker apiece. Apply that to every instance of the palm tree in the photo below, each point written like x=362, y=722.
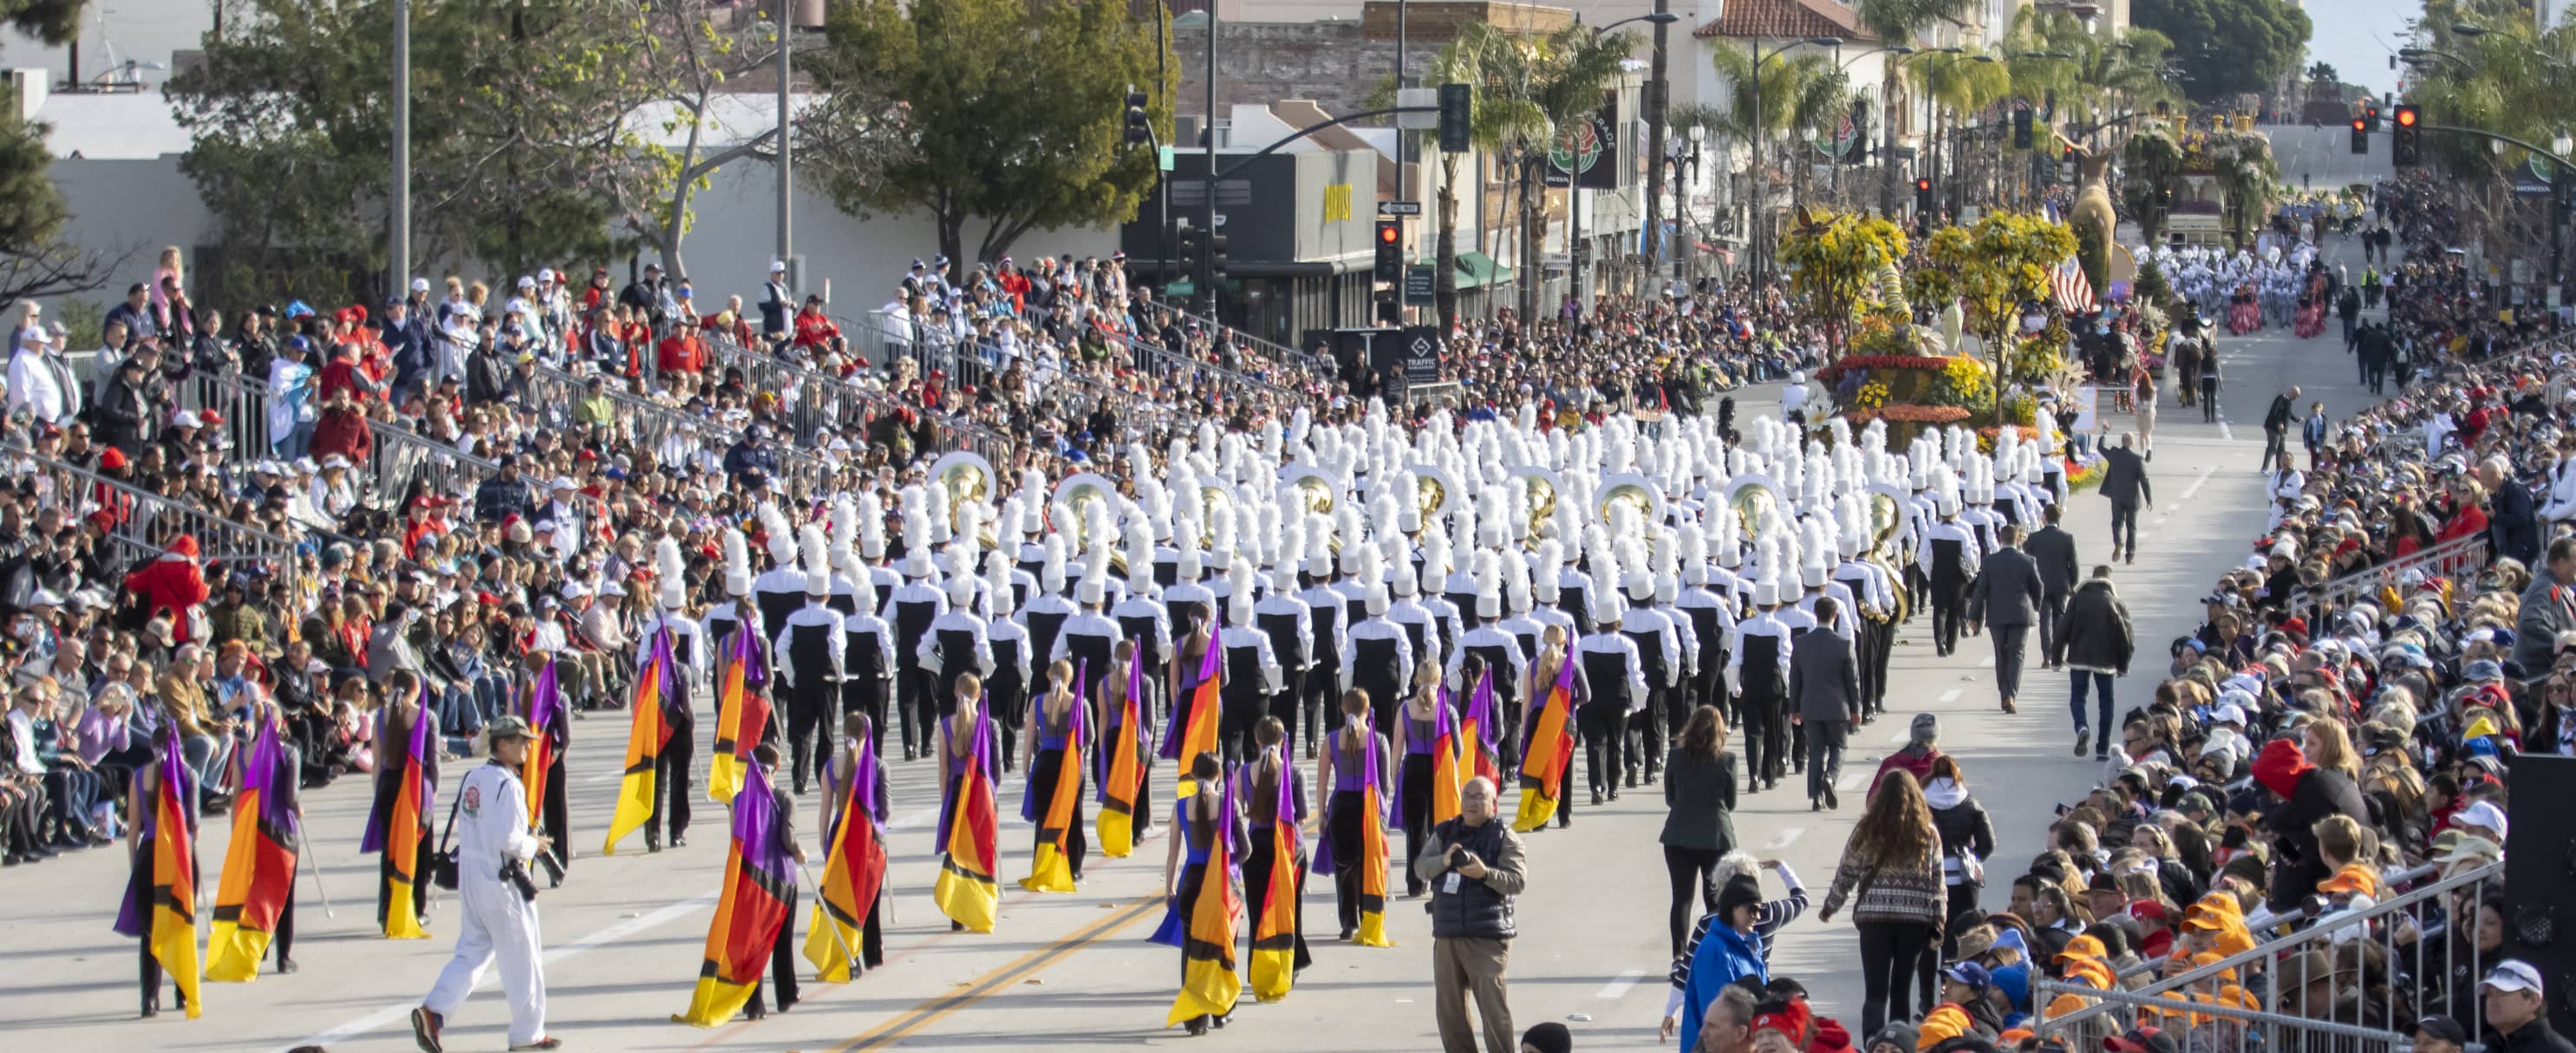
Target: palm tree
x=1899, y=22
x=1798, y=94
x=1528, y=90
x=1494, y=66
x=1956, y=84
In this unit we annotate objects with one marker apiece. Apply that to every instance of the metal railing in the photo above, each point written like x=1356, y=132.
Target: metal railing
x=2410, y=927
x=405, y=462
x=1287, y=356
x=2460, y=555
x=815, y=405
x=243, y=403
x=141, y=524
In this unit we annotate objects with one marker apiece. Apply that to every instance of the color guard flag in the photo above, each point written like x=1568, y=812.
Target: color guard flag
x=259, y=866
x=1126, y=775
x=1274, y=929
x=546, y=716
x=751, y=910
x=1445, y=778
x=1209, y=985
x=170, y=927
x=396, y=830
x=1476, y=732
x=853, y=874
x=1193, y=729
x=742, y=720
x=1372, y=854
x=644, y=741
x=967, y=891
x=1550, y=749
x=1052, y=869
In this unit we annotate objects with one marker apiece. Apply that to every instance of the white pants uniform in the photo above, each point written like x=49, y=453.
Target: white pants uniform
x=498, y=923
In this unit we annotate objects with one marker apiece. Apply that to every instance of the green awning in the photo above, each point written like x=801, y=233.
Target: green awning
x=1475, y=270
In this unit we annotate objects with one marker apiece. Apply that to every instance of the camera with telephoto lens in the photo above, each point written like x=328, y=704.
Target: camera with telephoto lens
x=516, y=873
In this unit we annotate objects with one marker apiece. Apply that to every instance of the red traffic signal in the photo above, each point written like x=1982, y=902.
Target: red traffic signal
x=1922, y=184
x=2360, y=124
x=2406, y=116
x=1388, y=234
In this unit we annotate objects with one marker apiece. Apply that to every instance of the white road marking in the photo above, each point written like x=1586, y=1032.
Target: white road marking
x=553, y=956
x=1987, y=662
x=1850, y=781
x=1784, y=838
x=1626, y=980
x=2196, y=484
x=1951, y=695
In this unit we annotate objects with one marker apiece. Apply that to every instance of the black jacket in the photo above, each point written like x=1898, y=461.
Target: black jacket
x=2278, y=417
x=2125, y=481
x=2007, y=590
x=1824, y=677
x=2054, y=548
x=2094, y=634
x=2297, y=865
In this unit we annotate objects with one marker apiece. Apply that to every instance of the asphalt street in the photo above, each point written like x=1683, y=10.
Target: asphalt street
x=624, y=936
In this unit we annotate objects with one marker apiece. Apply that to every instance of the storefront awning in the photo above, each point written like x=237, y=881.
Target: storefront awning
x=1476, y=270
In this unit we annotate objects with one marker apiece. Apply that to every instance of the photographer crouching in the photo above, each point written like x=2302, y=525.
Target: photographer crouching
x=1474, y=865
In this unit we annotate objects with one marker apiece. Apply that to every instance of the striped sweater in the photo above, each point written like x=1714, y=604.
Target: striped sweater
x=1907, y=891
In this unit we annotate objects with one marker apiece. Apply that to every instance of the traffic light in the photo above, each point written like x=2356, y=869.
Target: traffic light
x=1390, y=250
x=1215, y=245
x=1923, y=197
x=1185, y=252
x=1140, y=128
x=2361, y=135
x=1456, y=105
x=2021, y=129
x=2370, y=115
x=2404, y=149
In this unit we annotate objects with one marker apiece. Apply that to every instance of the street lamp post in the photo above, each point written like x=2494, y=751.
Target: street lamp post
x=1574, y=254
x=400, y=254
x=1761, y=186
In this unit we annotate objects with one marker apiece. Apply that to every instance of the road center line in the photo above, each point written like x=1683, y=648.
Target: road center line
x=2205, y=473
x=1620, y=986
x=933, y=1011
x=1951, y=695
x=1784, y=838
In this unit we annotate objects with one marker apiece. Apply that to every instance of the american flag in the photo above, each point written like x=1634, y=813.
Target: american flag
x=2073, y=290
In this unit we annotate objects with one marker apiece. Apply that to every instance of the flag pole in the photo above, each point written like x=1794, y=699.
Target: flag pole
x=304, y=861
x=828, y=923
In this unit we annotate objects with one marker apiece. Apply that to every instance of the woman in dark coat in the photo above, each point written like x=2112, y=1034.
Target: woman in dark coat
x=1699, y=790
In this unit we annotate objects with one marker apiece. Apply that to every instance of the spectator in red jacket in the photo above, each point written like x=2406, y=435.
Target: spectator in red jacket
x=683, y=353
x=816, y=330
x=172, y=583
x=343, y=430
x=1918, y=754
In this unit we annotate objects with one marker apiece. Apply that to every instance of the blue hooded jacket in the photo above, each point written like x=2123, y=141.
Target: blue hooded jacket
x=1723, y=957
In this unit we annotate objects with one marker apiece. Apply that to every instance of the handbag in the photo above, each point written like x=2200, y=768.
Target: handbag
x=442, y=863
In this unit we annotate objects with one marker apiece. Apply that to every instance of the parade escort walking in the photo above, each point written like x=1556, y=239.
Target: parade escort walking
x=499, y=918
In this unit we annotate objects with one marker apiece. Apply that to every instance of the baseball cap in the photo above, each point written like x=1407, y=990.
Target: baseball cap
x=2229, y=713
x=507, y=726
x=2444, y=1028
x=420, y=285
x=2483, y=669
x=2513, y=974
x=2484, y=814
x=2083, y=947
x=1969, y=973
x=2141, y=1040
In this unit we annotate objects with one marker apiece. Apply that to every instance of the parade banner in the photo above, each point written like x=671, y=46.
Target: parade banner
x=1209, y=985
x=853, y=875
x=259, y=865
x=751, y=911
x=1274, y=928
x=546, y=716
x=742, y=722
x=645, y=738
x=1052, y=868
x=967, y=891
x=168, y=925
x=1550, y=750
x=1126, y=776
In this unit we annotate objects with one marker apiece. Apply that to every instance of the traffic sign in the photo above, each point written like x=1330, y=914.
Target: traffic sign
x=1399, y=208
x=1418, y=286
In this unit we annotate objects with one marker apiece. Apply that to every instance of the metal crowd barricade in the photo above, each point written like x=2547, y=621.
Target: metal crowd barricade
x=403, y=457
x=143, y=524
x=1289, y=357
x=243, y=403
x=816, y=404
x=2422, y=966
x=2453, y=558
x=1164, y=365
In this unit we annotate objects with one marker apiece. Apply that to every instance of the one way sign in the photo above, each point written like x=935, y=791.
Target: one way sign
x=1399, y=208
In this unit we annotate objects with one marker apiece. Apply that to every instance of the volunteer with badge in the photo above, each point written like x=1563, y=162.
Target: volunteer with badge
x=493, y=847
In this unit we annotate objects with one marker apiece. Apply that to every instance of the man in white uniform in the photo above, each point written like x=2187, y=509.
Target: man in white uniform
x=492, y=837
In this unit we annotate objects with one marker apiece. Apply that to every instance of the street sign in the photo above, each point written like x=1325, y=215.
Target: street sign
x=1399, y=208
x=1418, y=286
x=1421, y=354
x=1163, y=158
x=1421, y=106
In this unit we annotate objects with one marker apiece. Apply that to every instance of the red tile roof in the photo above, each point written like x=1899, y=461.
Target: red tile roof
x=1783, y=19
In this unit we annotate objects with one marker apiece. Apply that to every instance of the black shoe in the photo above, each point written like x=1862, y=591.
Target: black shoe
x=285, y=966
x=2080, y=735
x=1197, y=1027
x=1614, y=793
x=1597, y=798
x=2101, y=758
x=678, y=841
x=1815, y=804
x=1831, y=800
x=956, y=926
x=1346, y=933
x=425, y=1026
x=652, y=841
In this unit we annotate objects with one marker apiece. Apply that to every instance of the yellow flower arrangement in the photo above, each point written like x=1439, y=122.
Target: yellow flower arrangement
x=1871, y=395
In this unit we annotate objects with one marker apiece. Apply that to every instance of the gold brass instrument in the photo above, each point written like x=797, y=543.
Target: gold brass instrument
x=1540, y=486
x=1435, y=492
x=1633, y=490
x=1080, y=492
x=969, y=479
x=1887, y=507
x=1305, y=489
x=1216, y=499
x=1752, y=495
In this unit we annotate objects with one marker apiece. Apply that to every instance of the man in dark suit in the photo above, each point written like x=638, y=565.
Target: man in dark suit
x=1824, y=699
x=2125, y=484
x=2276, y=424
x=2006, y=596
x=2510, y=515
x=2054, y=549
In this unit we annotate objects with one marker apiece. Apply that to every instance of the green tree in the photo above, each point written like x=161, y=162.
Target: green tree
x=1834, y=261
x=2150, y=165
x=1996, y=266
x=1800, y=93
x=2228, y=46
x=1017, y=112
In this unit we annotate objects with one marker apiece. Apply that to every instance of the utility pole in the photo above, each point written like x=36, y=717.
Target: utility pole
x=1657, y=100
x=400, y=254
x=1203, y=280
x=786, y=165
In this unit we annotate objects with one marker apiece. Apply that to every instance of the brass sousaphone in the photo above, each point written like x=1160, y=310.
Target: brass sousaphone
x=1888, y=505
x=1305, y=489
x=1541, y=487
x=1751, y=495
x=969, y=479
x=1216, y=499
x=1435, y=491
x=1633, y=490
x=1080, y=492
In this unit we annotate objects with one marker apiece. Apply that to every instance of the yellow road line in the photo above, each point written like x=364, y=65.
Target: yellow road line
x=931, y=1012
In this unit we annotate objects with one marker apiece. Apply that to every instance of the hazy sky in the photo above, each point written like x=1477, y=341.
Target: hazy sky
x=2357, y=36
